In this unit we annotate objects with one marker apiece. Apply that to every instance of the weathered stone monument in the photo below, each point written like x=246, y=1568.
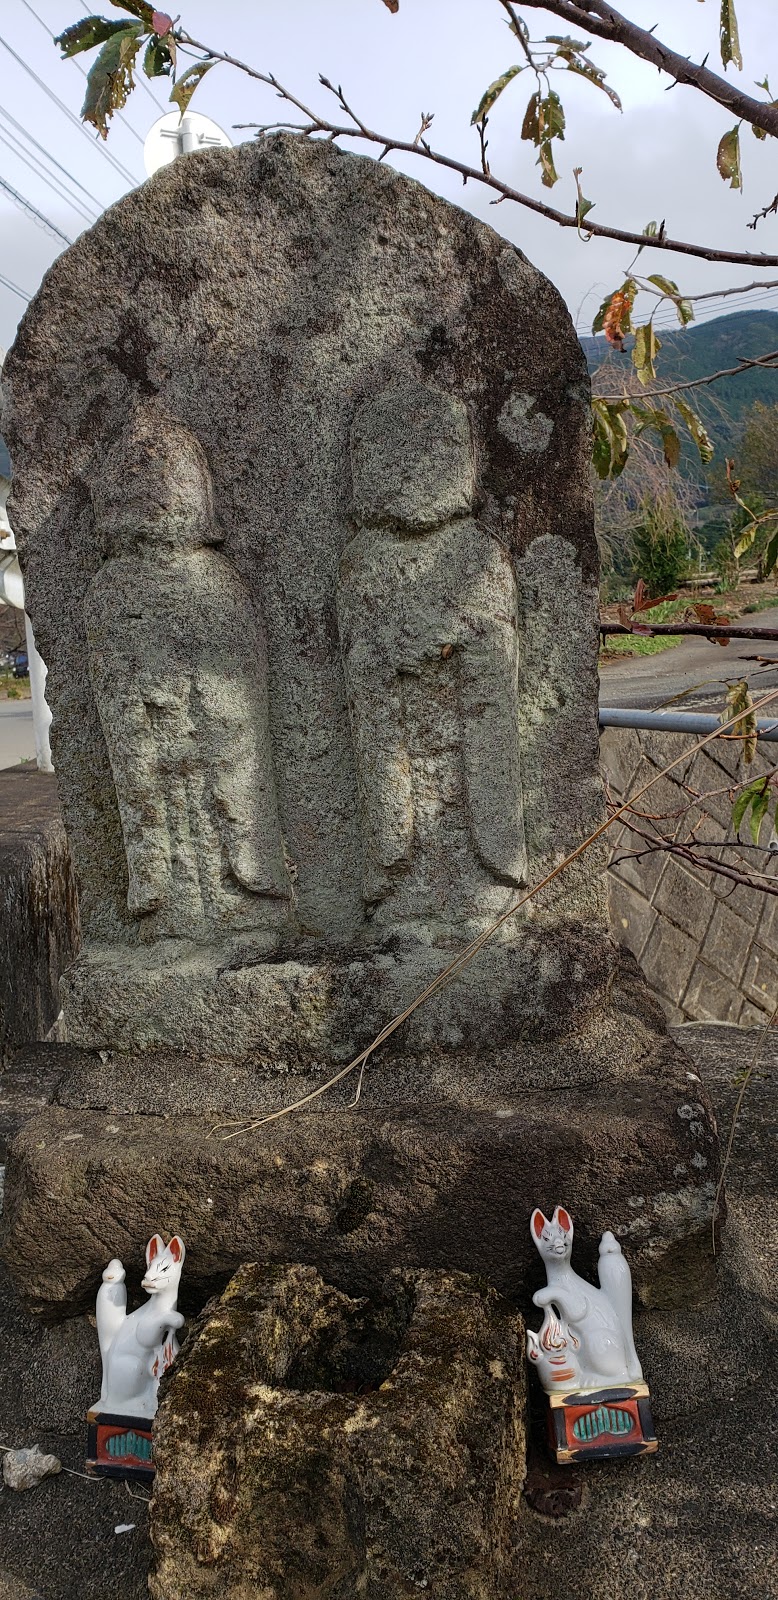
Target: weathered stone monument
x=301, y=488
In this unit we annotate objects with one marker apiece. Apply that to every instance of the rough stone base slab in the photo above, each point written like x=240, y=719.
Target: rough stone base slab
x=309, y=1444
x=358, y=1190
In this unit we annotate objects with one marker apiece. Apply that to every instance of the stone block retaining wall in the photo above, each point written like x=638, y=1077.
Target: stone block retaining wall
x=708, y=947
x=39, y=927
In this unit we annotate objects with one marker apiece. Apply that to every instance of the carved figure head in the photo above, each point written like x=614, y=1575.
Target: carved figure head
x=154, y=485
x=163, y=1264
x=554, y=1239
x=412, y=458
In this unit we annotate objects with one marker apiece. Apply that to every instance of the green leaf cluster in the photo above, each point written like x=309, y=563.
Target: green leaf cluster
x=187, y=83
x=492, y=94
x=755, y=798
x=684, y=308
x=610, y=440
x=730, y=39
x=656, y=419
x=645, y=351
x=728, y=158
x=111, y=80
x=111, y=77
x=573, y=53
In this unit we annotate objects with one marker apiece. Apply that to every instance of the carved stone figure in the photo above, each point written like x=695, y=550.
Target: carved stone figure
x=586, y=1339
x=427, y=612
x=137, y=1349
x=178, y=665
x=382, y=689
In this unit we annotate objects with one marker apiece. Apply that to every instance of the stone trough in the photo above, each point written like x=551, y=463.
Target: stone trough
x=310, y=1444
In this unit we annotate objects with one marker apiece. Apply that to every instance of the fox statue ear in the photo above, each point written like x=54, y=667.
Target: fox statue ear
x=563, y=1218
x=537, y=1223
x=154, y=1248
x=176, y=1248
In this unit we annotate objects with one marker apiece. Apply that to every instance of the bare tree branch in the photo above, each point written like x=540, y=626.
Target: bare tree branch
x=358, y=130
x=765, y=212
x=711, y=294
x=654, y=842
x=746, y=362
x=600, y=17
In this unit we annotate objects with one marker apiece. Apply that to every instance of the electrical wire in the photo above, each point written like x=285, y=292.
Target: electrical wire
x=667, y=319
x=140, y=80
x=125, y=172
x=14, y=288
x=6, y=115
x=27, y=205
x=58, y=188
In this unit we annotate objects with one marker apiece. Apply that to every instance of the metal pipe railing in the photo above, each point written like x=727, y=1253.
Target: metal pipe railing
x=691, y=722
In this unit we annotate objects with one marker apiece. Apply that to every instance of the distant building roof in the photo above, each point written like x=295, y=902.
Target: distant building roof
x=5, y=460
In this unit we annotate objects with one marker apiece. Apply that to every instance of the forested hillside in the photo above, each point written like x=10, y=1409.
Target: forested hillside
x=696, y=351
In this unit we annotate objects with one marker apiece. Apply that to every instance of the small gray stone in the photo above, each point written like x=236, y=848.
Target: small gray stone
x=24, y=1469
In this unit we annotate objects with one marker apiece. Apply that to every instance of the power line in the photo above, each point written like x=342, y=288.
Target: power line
x=140, y=80
x=69, y=114
x=52, y=159
x=38, y=169
x=33, y=211
x=14, y=288
x=666, y=320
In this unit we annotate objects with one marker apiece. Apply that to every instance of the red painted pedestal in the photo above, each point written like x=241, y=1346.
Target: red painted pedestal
x=119, y=1447
x=594, y=1424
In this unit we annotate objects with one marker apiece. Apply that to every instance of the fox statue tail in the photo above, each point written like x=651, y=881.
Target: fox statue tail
x=616, y=1282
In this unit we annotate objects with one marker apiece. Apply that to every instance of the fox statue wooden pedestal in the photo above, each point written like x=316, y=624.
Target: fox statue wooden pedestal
x=601, y=1423
x=119, y=1446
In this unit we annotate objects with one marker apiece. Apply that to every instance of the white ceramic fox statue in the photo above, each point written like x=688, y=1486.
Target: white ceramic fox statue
x=586, y=1339
x=138, y=1348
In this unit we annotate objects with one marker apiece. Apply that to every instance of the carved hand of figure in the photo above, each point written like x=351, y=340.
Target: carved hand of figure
x=147, y=864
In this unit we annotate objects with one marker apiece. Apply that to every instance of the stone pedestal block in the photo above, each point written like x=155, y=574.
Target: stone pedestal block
x=309, y=1444
x=440, y=1164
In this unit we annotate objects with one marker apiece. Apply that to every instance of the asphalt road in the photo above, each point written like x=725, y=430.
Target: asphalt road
x=696, y=668
x=17, y=740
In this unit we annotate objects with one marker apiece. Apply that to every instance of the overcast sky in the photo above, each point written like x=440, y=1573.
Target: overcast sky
x=654, y=161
